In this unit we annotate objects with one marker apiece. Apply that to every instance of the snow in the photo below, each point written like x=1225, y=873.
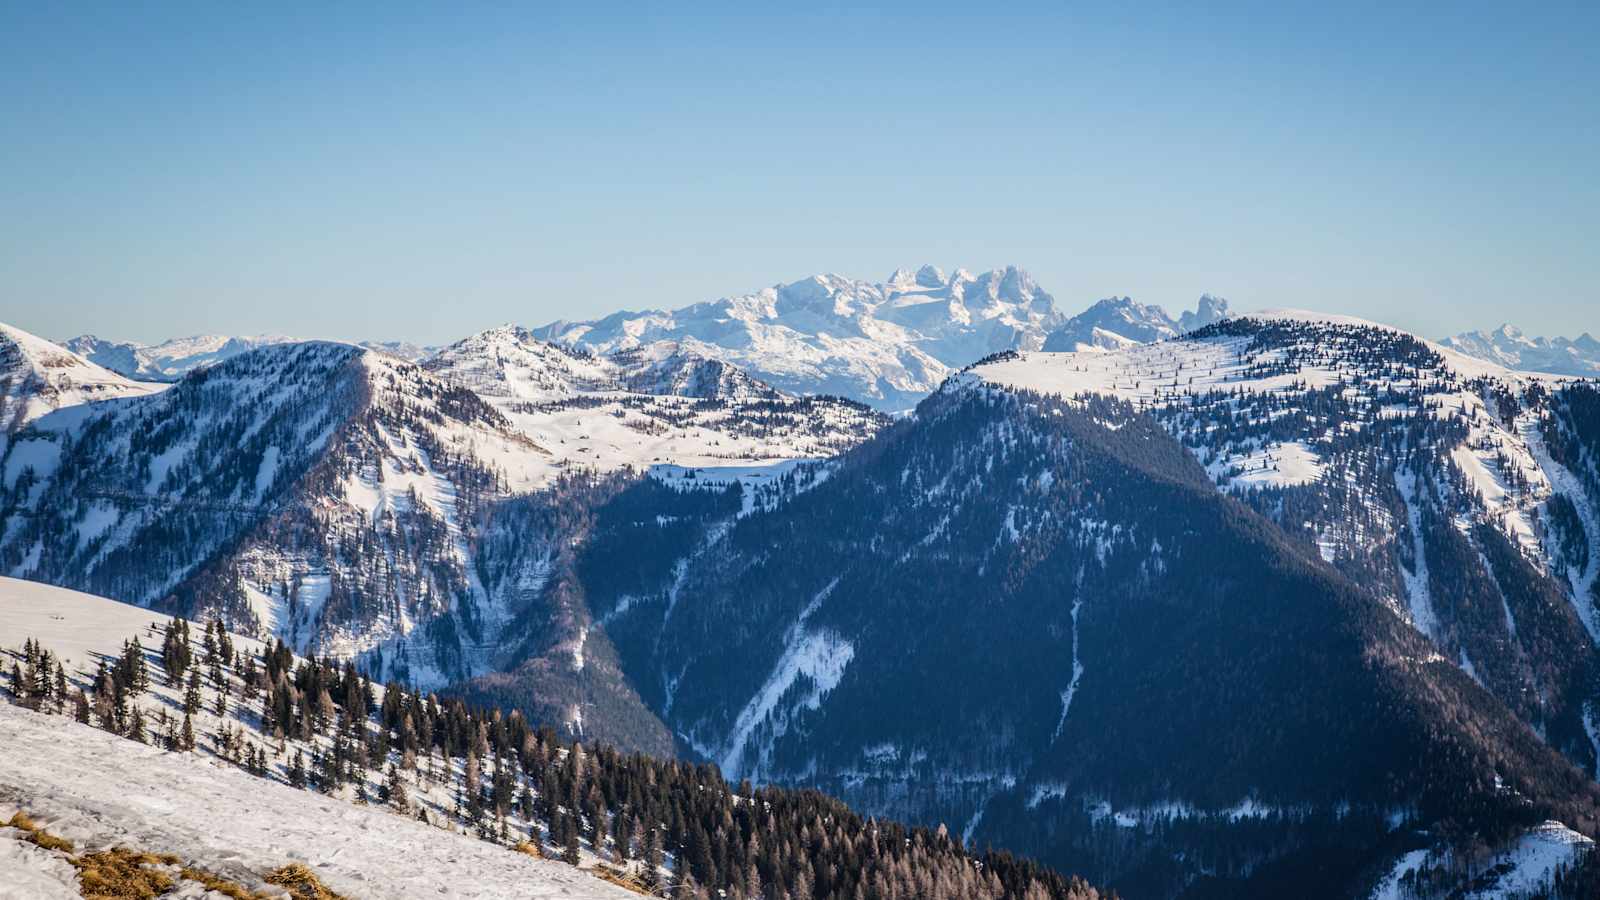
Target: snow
x=41, y=455
x=887, y=344
x=1564, y=482
x=33, y=873
x=1077, y=673
x=622, y=411
x=1275, y=465
x=220, y=817
x=42, y=377
x=1390, y=888
x=1525, y=867
x=266, y=472
x=819, y=656
x=1418, y=600
x=96, y=521
x=136, y=801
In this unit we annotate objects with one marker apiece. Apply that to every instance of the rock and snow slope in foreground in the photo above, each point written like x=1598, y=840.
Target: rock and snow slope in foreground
x=100, y=790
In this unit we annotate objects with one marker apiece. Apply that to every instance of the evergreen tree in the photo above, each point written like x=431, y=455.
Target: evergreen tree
x=297, y=770
x=569, y=853
x=191, y=696
x=394, y=790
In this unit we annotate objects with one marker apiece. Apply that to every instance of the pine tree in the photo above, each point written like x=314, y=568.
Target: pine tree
x=136, y=725
x=394, y=790
x=297, y=770
x=191, y=696
x=569, y=853
x=186, y=737
x=61, y=687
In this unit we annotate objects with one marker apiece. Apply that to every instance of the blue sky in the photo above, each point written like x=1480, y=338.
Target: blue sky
x=419, y=172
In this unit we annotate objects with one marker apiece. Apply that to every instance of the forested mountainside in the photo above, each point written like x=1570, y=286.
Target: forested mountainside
x=318, y=732
x=359, y=506
x=1041, y=619
x=1462, y=494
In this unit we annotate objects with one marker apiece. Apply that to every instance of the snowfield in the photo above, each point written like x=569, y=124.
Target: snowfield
x=99, y=790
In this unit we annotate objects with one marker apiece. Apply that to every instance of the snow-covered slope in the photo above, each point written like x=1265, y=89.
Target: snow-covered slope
x=886, y=343
x=100, y=790
x=38, y=377
x=1117, y=322
x=1509, y=347
x=322, y=493
x=657, y=406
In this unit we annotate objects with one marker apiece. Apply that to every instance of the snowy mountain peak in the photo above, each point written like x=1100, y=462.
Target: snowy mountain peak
x=1210, y=309
x=1115, y=321
x=38, y=377
x=883, y=343
x=1509, y=346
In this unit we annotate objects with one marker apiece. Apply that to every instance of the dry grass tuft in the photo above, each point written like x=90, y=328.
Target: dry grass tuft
x=625, y=880
x=231, y=889
x=122, y=874
x=529, y=848
x=302, y=883
x=38, y=836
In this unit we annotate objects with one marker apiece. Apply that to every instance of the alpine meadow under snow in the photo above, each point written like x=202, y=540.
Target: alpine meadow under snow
x=1215, y=605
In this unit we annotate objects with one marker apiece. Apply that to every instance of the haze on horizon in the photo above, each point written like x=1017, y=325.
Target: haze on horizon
x=361, y=173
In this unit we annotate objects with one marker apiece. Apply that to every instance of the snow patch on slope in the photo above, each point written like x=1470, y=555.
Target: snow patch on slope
x=818, y=656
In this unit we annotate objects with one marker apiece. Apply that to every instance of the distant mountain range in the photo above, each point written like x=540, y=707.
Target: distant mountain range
x=1509, y=347
x=887, y=344
x=172, y=359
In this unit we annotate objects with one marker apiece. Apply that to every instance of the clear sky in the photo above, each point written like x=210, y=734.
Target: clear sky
x=423, y=171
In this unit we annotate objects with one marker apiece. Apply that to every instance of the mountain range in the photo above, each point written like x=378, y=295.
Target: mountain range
x=1222, y=605
x=1509, y=347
